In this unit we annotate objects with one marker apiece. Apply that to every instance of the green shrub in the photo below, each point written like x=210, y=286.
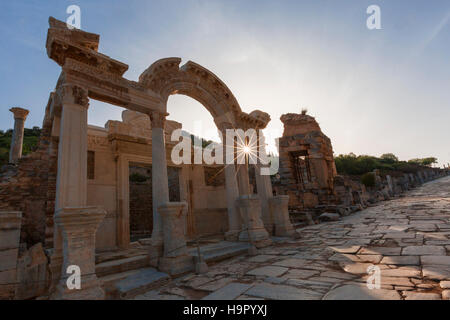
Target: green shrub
x=368, y=179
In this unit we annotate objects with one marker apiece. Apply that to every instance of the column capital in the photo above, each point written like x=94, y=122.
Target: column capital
x=158, y=119
x=70, y=93
x=19, y=113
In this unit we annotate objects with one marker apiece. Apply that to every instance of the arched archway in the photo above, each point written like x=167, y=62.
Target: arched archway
x=165, y=77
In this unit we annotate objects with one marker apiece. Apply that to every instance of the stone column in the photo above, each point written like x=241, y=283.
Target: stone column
x=264, y=187
x=160, y=183
x=10, y=223
x=78, y=227
x=232, y=189
x=71, y=184
x=243, y=179
x=280, y=212
x=15, y=152
x=176, y=259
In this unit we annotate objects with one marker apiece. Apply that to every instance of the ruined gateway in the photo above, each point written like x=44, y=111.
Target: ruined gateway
x=110, y=200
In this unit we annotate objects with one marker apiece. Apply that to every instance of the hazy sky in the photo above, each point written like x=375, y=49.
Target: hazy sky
x=372, y=91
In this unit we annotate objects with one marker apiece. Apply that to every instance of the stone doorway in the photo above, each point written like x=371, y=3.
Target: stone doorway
x=141, y=202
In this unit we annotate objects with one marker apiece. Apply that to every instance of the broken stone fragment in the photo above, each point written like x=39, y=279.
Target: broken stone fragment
x=327, y=216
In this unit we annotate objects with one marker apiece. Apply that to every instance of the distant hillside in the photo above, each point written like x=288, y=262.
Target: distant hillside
x=351, y=164
x=30, y=140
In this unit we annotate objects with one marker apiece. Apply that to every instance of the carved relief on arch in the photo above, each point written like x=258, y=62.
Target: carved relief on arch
x=165, y=78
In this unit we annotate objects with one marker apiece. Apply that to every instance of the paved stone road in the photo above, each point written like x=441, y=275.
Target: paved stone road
x=408, y=238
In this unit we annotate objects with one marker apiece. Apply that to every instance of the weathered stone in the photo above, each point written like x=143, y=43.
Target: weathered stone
x=32, y=273
x=401, y=260
x=176, y=259
x=78, y=226
x=360, y=292
x=229, y=292
x=268, y=271
x=346, y=249
x=446, y=295
x=282, y=292
x=385, y=251
x=436, y=260
x=410, y=295
x=423, y=250
x=401, y=272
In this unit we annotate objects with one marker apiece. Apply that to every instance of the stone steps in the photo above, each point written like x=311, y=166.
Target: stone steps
x=121, y=265
x=221, y=251
x=128, y=284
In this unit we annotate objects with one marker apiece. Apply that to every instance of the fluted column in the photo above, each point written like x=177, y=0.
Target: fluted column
x=20, y=115
x=160, y=183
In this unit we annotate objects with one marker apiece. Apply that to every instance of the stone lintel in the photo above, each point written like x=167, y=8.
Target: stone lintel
x=111, y=88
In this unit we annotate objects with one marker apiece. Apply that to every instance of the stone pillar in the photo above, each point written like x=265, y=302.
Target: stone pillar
x=232, y=189
x=160, y=183
x=10, y=223
x=15, y=152
x=264, y=187
x=234, y=218
x=254, y=231
x=71, y=180
x=280, y=212
x=176, y=259
x=243, y=179
x=78, y=227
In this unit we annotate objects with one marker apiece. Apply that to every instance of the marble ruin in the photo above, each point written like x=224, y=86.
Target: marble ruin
x=111, y=201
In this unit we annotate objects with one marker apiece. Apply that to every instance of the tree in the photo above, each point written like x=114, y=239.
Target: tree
x=423, y=161
x=389, y=157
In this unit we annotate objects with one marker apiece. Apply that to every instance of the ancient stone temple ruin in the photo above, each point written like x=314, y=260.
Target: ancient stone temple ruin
x=307, y=168
x=111, y=202
x=109, y=199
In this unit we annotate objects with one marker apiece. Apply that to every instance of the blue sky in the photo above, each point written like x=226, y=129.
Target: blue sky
x=372, y=91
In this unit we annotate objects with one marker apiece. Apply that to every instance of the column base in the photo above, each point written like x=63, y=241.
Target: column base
x=279, y=205
x=156, y=250
x=232, y=235
x=90, y=290
x=175, y=266
x=254, y=231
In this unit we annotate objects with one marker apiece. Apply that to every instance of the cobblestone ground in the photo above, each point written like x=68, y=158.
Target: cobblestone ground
x=408, y=238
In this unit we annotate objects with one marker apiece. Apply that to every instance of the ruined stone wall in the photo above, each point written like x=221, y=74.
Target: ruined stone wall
x=306, y=162
x=29, y=187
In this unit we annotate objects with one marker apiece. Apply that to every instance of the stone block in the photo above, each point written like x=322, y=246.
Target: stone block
x=8, y=259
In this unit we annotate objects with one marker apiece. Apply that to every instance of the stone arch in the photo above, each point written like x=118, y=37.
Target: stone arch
x=165, y=77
